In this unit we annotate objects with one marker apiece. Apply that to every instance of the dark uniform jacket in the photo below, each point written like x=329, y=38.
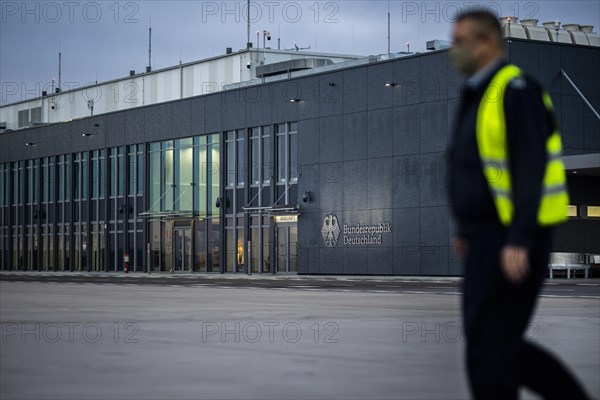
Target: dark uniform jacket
x=528, y=125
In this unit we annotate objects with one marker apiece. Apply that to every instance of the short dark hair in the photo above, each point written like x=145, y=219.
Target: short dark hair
x=486, y=22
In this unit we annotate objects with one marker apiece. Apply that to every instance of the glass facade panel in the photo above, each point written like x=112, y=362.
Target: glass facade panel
x=102, y=174
x=121, y=172
x=60, y=249
x=282, y=158
x=94, y=175
x=214, y=245
x=293, y=249
x=68, y=177
x=84, y=250
x=230, y=153
x=154, y=233
x=68, y=238
x=44, y=249
x=61, y=178
x=167, y=259
x=51, y=254
x=154, y=178
x=76, y=247
x=84, y=176
x=28, y=259
x=112, y=184
x=29, y=181
x=93, y=247
x=45, y=180
x=186, y=179
x=266, y=255
x=240, y=246
x=213, y=174
x=267, y=162
x=132, y=174
x=254, y=156
x=201, y=253
x=76, y=185
x=139, y=178
x=255, y=248
x=52, y=179
x=36, y=181
x=2, y=188
x=231, y=250
x=167, y=200
x=202, y=179
x=293, y=164
x=102, y=248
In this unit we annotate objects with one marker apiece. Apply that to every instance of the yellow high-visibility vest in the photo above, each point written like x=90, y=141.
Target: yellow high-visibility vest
x=493, y=151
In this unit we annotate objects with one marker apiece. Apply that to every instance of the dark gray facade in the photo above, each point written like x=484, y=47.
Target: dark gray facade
x=371, y=156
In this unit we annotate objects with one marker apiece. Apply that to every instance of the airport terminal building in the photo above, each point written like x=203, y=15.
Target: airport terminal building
x=337, y=169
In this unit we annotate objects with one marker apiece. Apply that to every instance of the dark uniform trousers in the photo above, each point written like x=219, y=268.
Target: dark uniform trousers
x=496, y=316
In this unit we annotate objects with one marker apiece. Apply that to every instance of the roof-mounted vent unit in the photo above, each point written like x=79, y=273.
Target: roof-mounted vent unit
x=289, y=66
x=577, y=36
x=438, y=44
x=533, y=31
x=556, y=34
x=529, y=22
x=511, y=28
x=592, y=37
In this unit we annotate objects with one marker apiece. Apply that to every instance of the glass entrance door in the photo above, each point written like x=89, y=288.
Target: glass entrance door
x=287, y=251
x=182, y=250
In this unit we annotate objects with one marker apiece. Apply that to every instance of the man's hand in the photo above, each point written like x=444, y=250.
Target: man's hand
x=460, y=245
x=515, y=263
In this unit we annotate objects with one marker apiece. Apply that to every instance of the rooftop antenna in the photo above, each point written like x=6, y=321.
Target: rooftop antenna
x=297, y=48
x=59, y=67
x=388, y=17
x=248, y=44
x=149, y=46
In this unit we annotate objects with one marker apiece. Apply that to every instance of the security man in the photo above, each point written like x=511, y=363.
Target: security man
x=507, y=190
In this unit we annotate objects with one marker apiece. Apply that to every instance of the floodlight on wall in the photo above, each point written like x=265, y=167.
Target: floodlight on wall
x=29, y=144
x=307, y=196
x=86, y=134
x=124, y=208
x=390, y=84
x=220, y=202
x=295, y=100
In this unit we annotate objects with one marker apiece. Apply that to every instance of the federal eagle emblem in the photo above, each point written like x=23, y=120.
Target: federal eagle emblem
x=331, y=230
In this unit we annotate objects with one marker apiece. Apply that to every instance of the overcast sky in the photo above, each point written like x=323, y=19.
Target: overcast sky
x=103, y=40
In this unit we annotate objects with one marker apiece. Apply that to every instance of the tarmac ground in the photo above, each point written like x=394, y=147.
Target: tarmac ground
x=134, y=336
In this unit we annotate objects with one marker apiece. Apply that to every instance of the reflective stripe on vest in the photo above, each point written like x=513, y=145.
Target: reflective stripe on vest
x=493, y=151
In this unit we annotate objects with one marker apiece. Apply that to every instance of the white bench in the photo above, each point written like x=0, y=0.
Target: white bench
x=569, y=262
x=569, y=268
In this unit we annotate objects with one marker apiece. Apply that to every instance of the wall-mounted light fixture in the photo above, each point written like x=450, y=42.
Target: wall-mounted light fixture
x=307, y=196
x=390, y=84
x=123, y=207
x=219, y=202
x=295, y=100
x=29, y=144
x=87, y=134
